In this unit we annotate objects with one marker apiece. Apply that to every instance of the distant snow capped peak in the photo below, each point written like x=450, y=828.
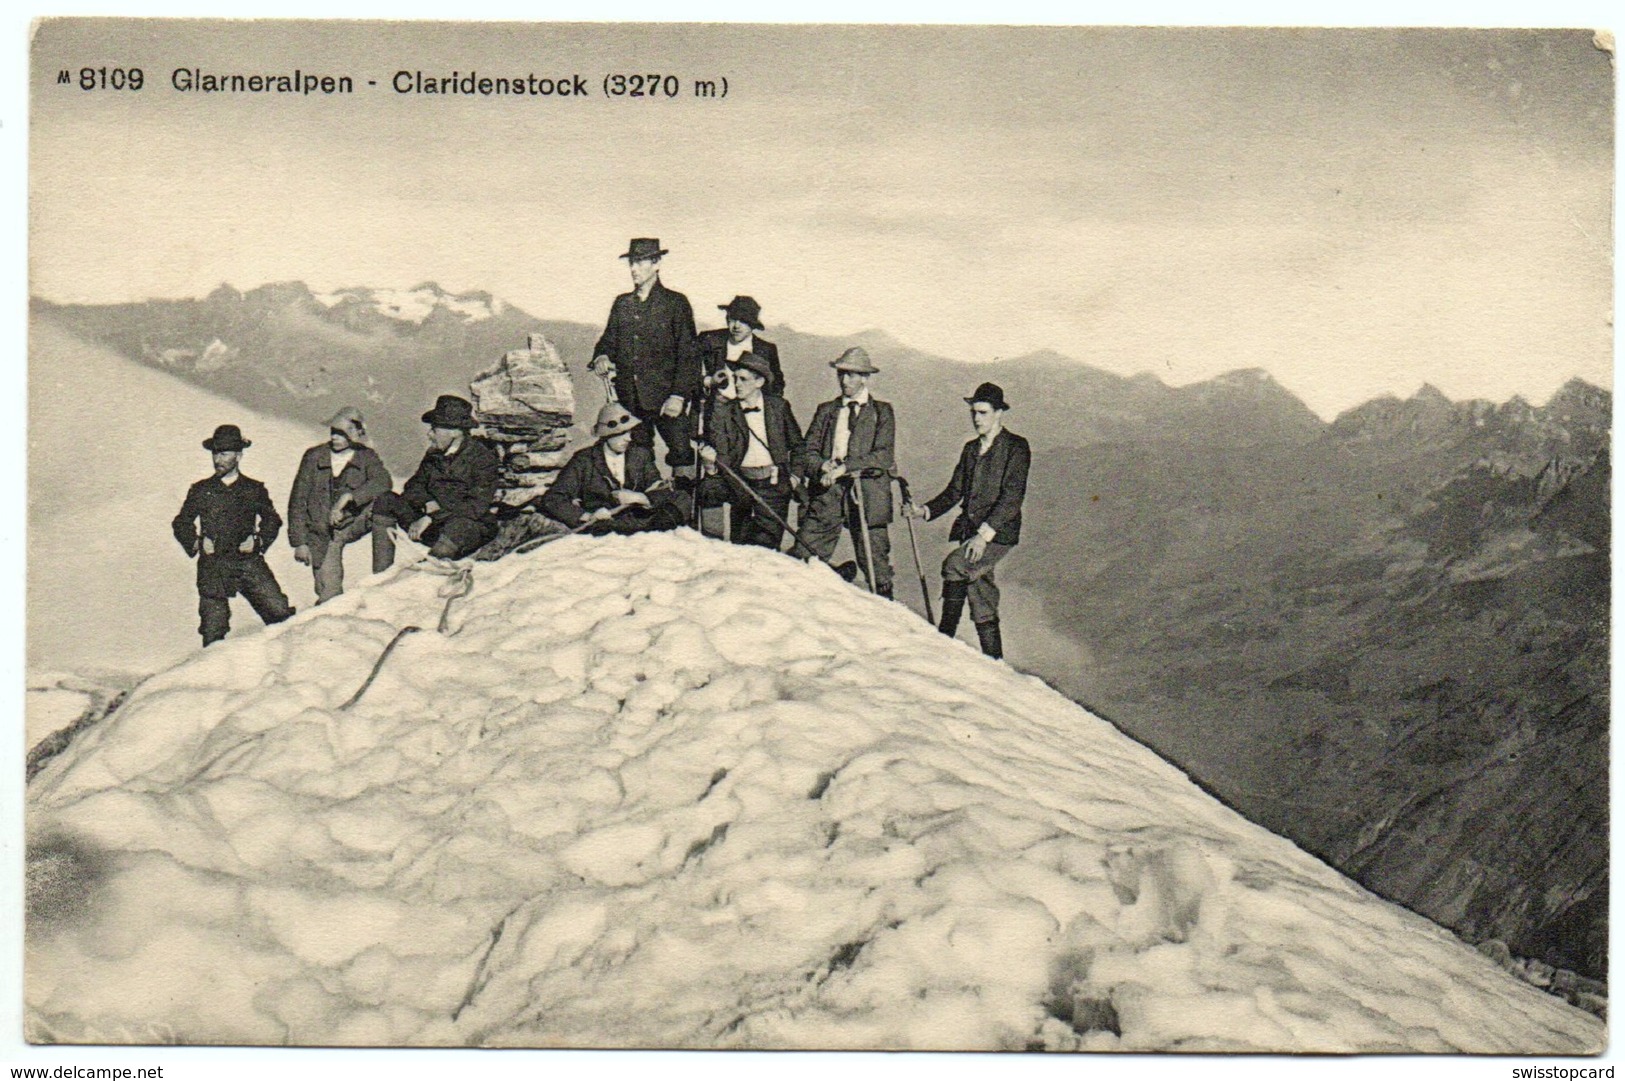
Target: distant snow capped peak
x=417, y=304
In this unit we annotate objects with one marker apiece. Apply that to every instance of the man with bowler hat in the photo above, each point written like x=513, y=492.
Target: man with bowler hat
x=988, y=486
x=853, y=434
x=448, y=502
x=723, y=347
x=227, y=523
x=756, y=435
x=606, y=486
x=331, y=503
x=649, y=344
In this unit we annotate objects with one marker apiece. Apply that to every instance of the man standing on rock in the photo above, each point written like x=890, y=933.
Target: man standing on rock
x=606, y=487
x=331, y=503
x=448, y=502
x=649, y=344
x=227, y=523
x=988, y=485
x=851, y=435
x=756, y=436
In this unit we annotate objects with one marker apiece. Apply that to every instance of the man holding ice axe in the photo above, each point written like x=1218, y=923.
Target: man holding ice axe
x=850, y=455
x=755, y=435
x=988, y=486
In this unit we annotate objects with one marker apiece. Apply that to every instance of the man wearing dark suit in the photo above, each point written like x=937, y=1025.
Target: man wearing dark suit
x=756, y=436
x=605, y=486
x=226, y=524
x=988, y=486
x=649, y=343
x=848, y=435
x=723, y=347
x=448, y=503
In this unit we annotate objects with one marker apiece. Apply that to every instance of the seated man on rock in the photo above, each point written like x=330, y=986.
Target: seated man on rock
x=448, y=503
x=612, y=486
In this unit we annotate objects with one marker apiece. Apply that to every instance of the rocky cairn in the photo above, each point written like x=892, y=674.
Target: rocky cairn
x=525, y=406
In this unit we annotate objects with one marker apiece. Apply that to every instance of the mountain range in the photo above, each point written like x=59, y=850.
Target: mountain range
x=1385, y=637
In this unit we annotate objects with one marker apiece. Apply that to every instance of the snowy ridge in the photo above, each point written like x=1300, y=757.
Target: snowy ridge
x=663, y=791
x=415, y=305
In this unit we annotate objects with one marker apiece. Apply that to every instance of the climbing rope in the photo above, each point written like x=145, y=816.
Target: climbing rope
x=459, y=583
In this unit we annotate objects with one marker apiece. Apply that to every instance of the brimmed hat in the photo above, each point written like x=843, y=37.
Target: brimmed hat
x=451, y=411
x=745, y=309
x=754, y=363
x=643, y=247
x=992, y=394
x=855, y=359
x=226, y=437
x=613, y=419
x=348, y=420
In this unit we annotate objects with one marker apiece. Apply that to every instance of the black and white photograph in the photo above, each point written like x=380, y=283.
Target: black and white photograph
x=816, y=537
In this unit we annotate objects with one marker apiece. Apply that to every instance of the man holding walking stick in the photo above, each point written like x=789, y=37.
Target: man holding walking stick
x=850, y=455
x=988, y=485
x=756, y=435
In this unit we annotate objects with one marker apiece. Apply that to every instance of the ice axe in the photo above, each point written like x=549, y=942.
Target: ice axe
x=914, y=546
x=863, y=519
x=604, y=369
x=760, y=502
x=537, y=542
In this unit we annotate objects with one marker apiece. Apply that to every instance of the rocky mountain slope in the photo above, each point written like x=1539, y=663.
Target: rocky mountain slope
x=1390, y=644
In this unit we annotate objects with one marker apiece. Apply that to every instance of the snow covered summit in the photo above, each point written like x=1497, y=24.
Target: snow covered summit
x=663, y=791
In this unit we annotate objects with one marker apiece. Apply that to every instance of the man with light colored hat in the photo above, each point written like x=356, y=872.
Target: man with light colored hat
x=449, y=502
x=756, y=436
x=988, y=486
x=226, y=524
x=850, y=456
x=649, y=345
x=610, y=485
x=721, y=349
x=331, y=503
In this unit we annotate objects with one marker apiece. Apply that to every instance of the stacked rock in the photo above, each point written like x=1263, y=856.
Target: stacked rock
x=526, y=404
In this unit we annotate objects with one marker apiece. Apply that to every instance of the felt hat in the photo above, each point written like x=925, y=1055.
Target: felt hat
x=451, y=411
x=745, y=309
x=992, y=394
x=752, y=362
x=226, y=437
x=643, y=247
x=855, y=359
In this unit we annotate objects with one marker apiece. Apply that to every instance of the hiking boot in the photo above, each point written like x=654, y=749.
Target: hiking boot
x=992, y=643
x=848, y=571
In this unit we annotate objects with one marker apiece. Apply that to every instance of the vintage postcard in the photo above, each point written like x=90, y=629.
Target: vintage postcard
x=817, y=537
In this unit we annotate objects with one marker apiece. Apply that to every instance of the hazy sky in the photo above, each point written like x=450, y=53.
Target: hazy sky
x=1356, y=211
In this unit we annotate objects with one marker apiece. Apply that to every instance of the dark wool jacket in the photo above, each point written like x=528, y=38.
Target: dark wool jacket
x=990, y=487
x=464, y=485
x=731, y=435
x=652, y=345
x=585, y=484
x=227, y=515
x=315, y=488
x=714, y=355
x=873, y=445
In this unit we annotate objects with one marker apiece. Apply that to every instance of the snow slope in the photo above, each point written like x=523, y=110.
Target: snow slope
x=112, y=449
x=665, y=791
